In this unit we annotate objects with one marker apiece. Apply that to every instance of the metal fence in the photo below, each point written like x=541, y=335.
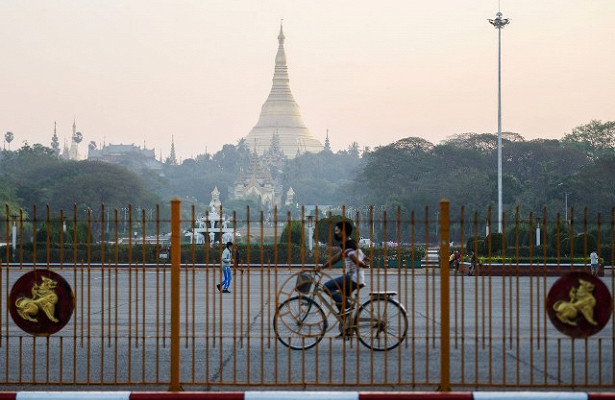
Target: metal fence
x=147, y=311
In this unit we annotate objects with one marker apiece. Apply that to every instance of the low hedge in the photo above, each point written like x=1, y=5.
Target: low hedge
x=198, y=254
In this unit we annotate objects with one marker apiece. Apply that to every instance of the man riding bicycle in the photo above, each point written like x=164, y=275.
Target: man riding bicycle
x=354, y=260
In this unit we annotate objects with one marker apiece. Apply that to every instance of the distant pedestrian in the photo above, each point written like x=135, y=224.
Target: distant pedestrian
x=472, y=263
x=457, y=260
x=593, y=259
x=227, y=260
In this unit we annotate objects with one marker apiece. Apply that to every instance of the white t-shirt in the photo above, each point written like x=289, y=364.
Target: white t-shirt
x=593, y=257
x=356, y=273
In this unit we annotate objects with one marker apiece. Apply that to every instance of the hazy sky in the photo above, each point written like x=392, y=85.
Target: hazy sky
x=369, y=71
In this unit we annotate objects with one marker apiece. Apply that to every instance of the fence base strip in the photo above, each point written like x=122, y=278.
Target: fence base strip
x=415, y=395
x=530, y=395
x=72, y=395
x=301, y=395
x=295, y=395
x=187, y=395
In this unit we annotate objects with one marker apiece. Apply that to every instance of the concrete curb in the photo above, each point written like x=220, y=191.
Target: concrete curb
x=312, y=395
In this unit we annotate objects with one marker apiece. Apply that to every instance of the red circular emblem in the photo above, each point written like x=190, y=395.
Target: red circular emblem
x=41, y=302
x=579, y=304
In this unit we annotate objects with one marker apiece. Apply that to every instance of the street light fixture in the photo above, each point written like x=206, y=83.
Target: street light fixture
x=499, y=23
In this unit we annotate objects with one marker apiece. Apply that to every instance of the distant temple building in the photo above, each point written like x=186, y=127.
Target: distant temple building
x=127, y=155
x=72, y=152
x=257, y=185
x=280, y=115
x=290, y=197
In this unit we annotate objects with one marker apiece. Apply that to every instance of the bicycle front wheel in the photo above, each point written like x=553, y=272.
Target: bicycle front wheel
x=381, y=324
x=300, y=323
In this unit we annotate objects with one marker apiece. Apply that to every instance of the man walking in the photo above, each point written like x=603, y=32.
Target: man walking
x=227, y=259
x=593, y=259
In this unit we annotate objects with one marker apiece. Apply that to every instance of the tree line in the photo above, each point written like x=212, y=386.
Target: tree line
x=405, y=178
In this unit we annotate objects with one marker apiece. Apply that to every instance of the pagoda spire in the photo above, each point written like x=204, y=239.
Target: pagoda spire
x=55, y=143
x=172, y=159
x=281, y=114
x=327, y=142
x=280, y=76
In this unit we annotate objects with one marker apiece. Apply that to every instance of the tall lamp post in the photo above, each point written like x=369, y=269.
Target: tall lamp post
x=565, y=202
x=498, y=24
x=566, y=205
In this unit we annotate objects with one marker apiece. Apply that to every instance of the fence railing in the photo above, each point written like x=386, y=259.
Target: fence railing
x=145, y=309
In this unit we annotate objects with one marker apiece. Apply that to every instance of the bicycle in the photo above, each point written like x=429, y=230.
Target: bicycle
x=300, y=323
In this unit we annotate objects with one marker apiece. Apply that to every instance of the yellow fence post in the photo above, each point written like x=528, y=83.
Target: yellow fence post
x=445, y=372
x=175, y=281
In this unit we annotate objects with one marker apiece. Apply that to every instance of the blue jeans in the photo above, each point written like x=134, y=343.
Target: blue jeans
x=340, y=289
x=228, y=276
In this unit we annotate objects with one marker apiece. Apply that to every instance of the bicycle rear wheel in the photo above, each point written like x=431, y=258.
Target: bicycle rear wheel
x=300, y=323
x=381, y=324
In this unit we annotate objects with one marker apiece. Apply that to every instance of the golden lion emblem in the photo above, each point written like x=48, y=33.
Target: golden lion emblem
x=43, y=298
x=581, y=300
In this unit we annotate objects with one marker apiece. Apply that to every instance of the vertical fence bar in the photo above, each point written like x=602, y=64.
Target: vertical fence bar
x=445, y=372
x=143, y=293
x=427, y=288
x=462, y=270
x=275, y=284
x=612, y=246
x=249, y=285
x=102, y=292
x=413, y=294
x=234, y=269
x=116, y=255
x=208, y=268
x=517, y=302
x=175, y=281
x=130, y=301
x=89, y=300
x=157, y=351
x=504, y=295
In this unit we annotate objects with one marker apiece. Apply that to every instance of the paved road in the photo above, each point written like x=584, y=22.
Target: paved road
x=119, y=334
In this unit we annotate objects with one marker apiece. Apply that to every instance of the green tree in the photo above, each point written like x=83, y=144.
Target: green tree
x=292, y=232
x=63, y=232
x=583, y=244
x=594, y=187
x=34, y=175
x=595, y=138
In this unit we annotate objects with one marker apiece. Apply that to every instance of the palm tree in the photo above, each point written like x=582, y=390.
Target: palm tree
x=78, y=137
x=91, y=147
x=8, y=137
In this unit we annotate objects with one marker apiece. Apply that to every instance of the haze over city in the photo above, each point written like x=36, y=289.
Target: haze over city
x=141, y=71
